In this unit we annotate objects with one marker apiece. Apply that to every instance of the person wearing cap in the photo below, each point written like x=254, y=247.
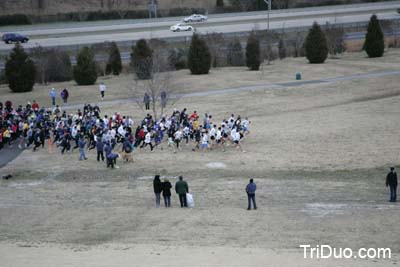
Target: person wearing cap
x=182, y=188
x=391, y=182
x=251, y=194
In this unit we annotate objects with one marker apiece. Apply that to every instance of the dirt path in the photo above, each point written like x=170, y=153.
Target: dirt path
x=209, y=92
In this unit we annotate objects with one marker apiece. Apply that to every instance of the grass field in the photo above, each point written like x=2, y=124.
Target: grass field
x=318, y=153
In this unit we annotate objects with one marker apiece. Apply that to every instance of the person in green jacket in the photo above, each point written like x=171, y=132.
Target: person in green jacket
x=182, y=188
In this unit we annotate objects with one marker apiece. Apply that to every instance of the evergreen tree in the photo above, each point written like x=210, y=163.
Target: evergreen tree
x=20, y=71
x=235, y=55
x=199, y=56
x=85, y=72
x=220, y=3
x=253, y=52
x=316, y=46
x=374, y=40
x=142, y=60
x=114, y=64
x=282, y=49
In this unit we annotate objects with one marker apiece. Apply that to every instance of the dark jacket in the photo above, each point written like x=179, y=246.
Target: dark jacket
x=81, y=143
x=100, y=146
x=391, y=179
x=166, y=189
x=157, y=185
x=181, y=187
x=251, y=188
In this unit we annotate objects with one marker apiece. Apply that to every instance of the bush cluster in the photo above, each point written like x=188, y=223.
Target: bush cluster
x=17, y=19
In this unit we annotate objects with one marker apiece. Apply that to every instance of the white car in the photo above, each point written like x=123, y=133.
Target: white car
x=181, y=27
x=195, y=18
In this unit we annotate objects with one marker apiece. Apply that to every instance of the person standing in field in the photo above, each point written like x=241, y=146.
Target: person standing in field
x=158, y=188
x=391, y=182
x=53, y=95
x=65, y=95
x=81, y=144
x=251, y=194
x=163, y=99
x=102, y=89
x=166, y=191
x=146, y=101
x=182, y=188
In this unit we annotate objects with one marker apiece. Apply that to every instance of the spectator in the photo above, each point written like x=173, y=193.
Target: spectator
x=391, y=181
x=53, y=95
x=65, y=95
x=251, y=194
x=166, y=189
x=157, y=186
x=146, y=101
x=182, y=188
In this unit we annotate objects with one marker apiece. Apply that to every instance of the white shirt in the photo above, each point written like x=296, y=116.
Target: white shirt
x=147, y=138
x=178, y=135
x=121, y=131
x=236, y=136
x=205, y=139
x=219, y=135
x=212, y=132
x=102, y=87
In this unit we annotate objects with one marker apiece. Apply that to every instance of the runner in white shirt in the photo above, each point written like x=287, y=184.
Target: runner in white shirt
x=204, y=141
x=147, y=141
x=177, y=138
x=236, y=139
x=102, y=89
x=246, y=125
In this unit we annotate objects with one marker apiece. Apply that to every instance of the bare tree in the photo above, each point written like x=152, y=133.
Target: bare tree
x=243, y=5
x=298, y=44
x=335, y=39
x=216, y=42
x=157, y=87
x=41, y=59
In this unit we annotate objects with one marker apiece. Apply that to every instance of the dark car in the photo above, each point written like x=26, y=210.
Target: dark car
x=14, y=37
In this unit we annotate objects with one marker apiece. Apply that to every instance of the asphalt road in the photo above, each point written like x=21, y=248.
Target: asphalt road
x=73, y=34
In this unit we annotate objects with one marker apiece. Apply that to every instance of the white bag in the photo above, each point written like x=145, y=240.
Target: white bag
x=189, y=200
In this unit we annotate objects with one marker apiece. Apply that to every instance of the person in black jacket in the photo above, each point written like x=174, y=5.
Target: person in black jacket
x=391, y=181
x=157, y=185
x=166, y=189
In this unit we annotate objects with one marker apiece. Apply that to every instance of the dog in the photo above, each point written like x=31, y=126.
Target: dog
x=127, y=157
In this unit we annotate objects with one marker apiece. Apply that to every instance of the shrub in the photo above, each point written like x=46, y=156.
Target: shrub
x=142, y=60
x=316, y=46
x=177, y=58
x=20, y=71
x=114, y=64
x=282, y=49
x=235, y=55
x=85, y=72
x=59, y=67
x=374, y=40
x=3, y=77
x=253, y=52
x=17, y=19
x=199, y=56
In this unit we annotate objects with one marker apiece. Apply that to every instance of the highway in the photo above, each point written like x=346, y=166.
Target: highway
x=87, y=33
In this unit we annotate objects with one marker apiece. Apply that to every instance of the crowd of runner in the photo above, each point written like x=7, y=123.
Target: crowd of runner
x=32, y=126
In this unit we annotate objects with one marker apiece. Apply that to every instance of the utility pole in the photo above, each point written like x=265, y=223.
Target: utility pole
x=152, y=8
x=268, y=2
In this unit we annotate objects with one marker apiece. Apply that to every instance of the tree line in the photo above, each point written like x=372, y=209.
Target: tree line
x=22, y=70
